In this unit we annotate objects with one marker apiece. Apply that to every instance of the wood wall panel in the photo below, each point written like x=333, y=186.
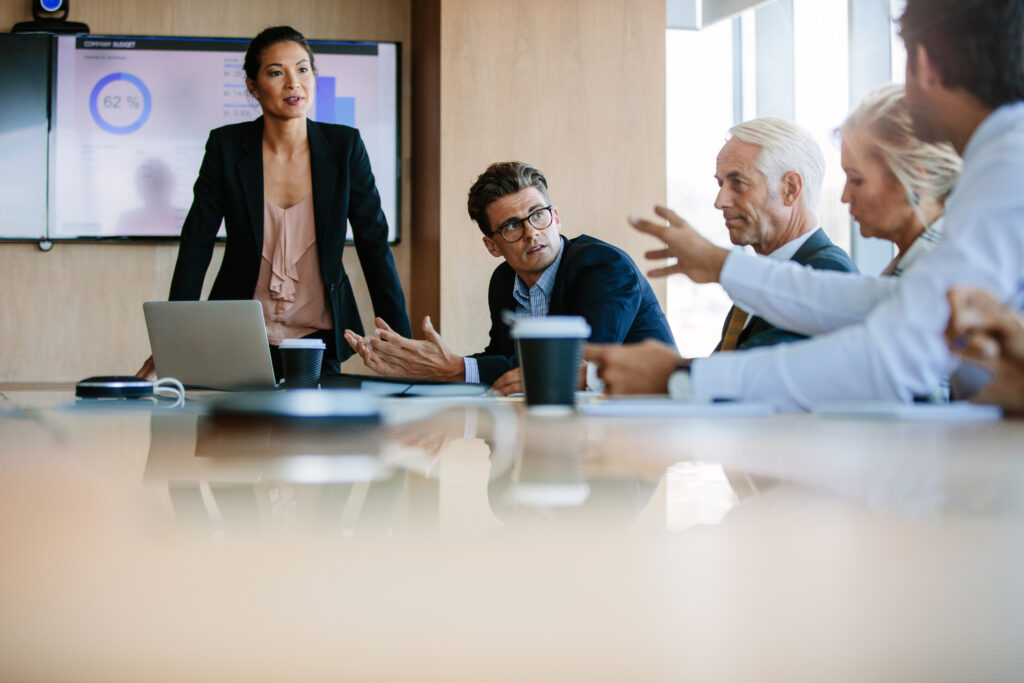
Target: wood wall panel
x=426, y=162
x=76, y=310
x=575, y=87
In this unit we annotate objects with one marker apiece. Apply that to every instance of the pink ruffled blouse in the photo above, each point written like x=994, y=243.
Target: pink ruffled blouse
x=290, y=285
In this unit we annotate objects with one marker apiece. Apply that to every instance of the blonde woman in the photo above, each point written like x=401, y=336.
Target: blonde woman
x=896, y=185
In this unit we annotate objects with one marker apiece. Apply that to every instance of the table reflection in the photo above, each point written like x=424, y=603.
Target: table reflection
x=465, y=469
x=468, y=469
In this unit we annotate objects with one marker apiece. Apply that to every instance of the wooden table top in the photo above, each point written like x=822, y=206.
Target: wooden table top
x=473, y=540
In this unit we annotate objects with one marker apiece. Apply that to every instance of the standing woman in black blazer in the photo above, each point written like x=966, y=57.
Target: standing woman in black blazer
x=298, y=174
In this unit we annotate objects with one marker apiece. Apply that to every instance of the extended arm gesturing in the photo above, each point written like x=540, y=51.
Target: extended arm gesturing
x=800, y=298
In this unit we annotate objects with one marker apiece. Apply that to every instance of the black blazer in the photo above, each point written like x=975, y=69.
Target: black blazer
x=230, y=186
x=595, y=280
x=817, y=252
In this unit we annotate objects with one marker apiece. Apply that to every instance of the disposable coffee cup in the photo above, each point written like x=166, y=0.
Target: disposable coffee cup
x=550, y=351
x=302, y=360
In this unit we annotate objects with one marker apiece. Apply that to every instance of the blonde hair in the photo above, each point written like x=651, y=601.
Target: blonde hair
x=785, y=147
x=923, y=168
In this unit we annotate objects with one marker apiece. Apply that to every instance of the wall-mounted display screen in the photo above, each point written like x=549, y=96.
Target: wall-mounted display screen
x=130, y=116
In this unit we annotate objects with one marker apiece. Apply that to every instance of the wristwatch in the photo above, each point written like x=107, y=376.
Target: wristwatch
x=679, y=383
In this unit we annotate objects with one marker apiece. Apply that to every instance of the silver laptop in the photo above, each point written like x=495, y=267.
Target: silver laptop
x=215, y=344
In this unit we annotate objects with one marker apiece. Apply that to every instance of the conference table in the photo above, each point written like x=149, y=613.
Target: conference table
x=472, y=539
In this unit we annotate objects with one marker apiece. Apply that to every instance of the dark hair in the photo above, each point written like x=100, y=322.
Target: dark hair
x=977, y=45
x=501, y=179
x=266, y=38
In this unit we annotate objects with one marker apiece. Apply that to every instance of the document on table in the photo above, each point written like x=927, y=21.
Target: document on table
x=453, y=389
x=401, y=386
x=653, y=406
x=958, y=411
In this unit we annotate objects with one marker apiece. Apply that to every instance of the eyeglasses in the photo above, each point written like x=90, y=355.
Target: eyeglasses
x=513, y=231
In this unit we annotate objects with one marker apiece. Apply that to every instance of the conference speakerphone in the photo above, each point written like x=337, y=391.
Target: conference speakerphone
x=113, y=386
x=128, y=386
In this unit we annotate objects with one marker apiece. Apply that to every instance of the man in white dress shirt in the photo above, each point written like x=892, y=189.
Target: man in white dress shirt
x=880, y=338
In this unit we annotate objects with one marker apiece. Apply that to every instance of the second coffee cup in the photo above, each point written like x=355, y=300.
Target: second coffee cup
x=550, y=350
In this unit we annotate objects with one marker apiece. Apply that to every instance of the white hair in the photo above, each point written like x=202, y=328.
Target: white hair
x=785, y=147
x=929, y=169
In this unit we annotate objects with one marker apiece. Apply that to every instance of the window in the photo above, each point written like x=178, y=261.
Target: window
x=789, y=58
x=700, y=112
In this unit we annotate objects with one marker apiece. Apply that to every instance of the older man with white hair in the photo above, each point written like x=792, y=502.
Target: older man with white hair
x=770, y=174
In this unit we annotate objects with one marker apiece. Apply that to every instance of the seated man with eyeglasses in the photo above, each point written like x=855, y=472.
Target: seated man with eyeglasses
x=543, y=273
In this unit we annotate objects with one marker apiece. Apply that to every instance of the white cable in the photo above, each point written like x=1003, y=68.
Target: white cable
x=172, y=388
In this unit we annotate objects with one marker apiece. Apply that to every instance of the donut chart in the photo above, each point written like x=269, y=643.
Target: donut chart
x=120, y=103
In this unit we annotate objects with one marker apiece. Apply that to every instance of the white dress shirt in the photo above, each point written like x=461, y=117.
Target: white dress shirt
x=884, y=336
x=783, y=253
x=789, y=249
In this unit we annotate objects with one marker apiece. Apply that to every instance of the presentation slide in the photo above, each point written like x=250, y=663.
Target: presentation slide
x=132, y=116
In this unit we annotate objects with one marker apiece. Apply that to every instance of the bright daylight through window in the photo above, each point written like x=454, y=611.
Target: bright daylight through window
x=731, y=71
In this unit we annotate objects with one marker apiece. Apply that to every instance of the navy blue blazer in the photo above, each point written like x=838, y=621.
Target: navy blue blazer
x=817, y=252
x=595, y=280
x=230, y=186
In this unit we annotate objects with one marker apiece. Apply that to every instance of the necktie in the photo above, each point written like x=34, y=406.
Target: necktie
x=737, y=318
